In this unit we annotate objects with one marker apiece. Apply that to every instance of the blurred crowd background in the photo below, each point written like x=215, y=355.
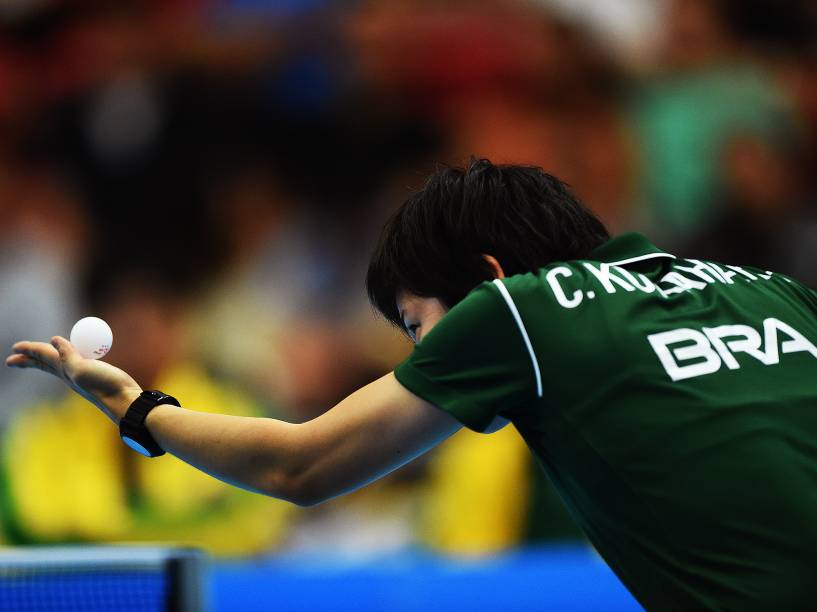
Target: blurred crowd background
x=209, y=176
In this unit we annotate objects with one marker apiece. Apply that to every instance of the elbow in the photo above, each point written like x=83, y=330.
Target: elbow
x=297, y=475
x=307, y=501
x=296, y=488
x=300, y=494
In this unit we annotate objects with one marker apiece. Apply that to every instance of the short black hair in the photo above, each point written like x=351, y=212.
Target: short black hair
x=433, y=245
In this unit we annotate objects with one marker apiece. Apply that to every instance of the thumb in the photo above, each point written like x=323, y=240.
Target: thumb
x=68, y=354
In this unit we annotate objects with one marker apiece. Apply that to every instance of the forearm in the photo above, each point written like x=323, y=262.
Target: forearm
x=372, y=432
x=258, y=454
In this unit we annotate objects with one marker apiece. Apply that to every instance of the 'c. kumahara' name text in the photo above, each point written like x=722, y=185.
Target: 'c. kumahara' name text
x=613, y=279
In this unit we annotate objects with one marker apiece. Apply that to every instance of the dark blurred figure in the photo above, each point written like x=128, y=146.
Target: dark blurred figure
x=768, y=218
x=67, y=477
x=43, y=244
x=772, y=182
x=707, y=86
x=773, y=26
x=508, y=80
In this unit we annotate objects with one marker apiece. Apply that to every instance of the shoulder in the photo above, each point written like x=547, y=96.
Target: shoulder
x=482, y=305
x=556, y=288
x=491, y=303
x=475, y=363
x=538, y=285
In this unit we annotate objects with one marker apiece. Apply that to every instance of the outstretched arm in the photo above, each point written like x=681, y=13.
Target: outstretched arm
x=372, y=432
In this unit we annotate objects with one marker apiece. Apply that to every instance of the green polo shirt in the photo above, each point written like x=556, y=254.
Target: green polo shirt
x=672, y=402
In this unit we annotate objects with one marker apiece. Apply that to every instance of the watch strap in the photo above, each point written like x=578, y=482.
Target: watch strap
x=132, y=426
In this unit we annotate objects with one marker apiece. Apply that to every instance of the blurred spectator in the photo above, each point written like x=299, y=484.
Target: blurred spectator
x=773, y=26
x=66, y=475
x=627, y=27
x=42, y=235
x=379, y=519
x=507, y=80
x=799, y=73
x=286, y=296
x=477, y=493
x=768, y=219
x=704, y=93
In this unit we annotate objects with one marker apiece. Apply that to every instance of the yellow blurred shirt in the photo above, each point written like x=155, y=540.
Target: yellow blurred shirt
x=478, y=492
x=69, y=478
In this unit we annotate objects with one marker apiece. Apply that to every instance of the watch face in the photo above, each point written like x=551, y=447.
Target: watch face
x=136, y=446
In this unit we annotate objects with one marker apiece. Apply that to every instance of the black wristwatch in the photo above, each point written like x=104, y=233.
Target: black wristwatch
x=132, y=426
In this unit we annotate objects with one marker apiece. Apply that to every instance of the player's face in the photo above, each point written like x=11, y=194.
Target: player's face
x=419, y=314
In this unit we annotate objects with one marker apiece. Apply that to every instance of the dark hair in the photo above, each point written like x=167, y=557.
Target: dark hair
x=433, y=246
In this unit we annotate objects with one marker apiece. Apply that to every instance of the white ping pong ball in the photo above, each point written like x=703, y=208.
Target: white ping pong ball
x=92, y=337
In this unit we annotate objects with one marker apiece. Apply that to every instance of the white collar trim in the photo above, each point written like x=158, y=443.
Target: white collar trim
x=640, y=258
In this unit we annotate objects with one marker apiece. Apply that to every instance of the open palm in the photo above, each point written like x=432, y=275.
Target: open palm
x=106, y=386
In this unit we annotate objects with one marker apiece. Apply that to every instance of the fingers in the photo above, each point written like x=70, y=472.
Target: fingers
x=24, y=361
x=67, y=353
x=37, y=355
x=19, y=361
x=36, y=350
x=21, y=347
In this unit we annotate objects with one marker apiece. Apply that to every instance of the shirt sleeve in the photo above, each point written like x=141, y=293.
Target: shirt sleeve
x=474, y=364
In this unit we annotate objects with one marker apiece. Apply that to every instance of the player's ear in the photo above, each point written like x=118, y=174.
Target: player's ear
x=494, y=265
